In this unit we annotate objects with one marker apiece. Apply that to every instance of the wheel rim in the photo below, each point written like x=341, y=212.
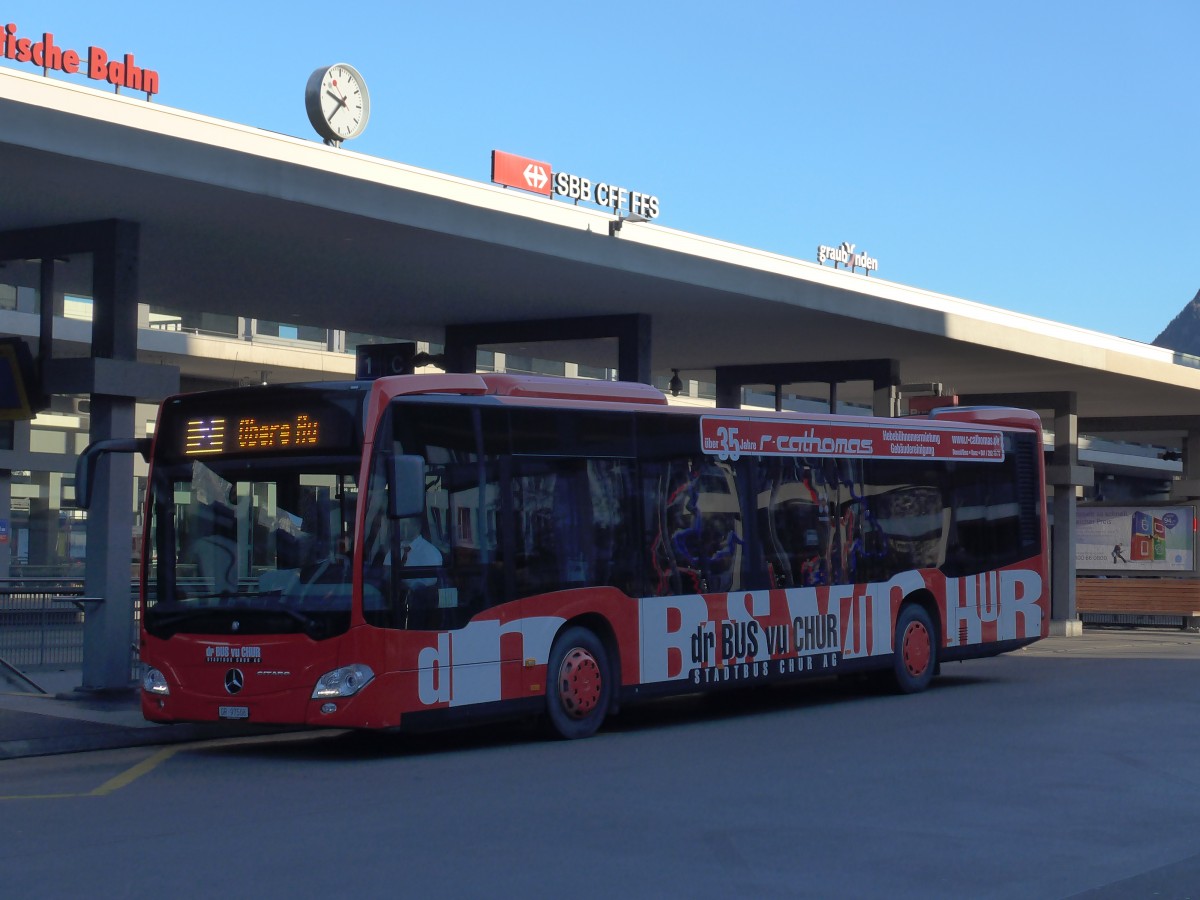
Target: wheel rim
x=917, y=648
x=579, y=683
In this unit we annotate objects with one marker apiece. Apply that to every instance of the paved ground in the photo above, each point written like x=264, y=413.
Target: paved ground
x=65, y=720
x=1064, y=770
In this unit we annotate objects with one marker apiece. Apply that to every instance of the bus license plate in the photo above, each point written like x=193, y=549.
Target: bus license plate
x=234, y=712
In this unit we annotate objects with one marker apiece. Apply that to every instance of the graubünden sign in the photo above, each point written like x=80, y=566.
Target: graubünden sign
x=538, y=176
x=96, y=63
x=846, y=256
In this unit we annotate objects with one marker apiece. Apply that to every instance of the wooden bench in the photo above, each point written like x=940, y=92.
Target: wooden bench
x=1136, y=601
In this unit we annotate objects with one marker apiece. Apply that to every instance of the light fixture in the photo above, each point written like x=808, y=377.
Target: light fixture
x=675, y=385
x=429, y=359
x=615, y=225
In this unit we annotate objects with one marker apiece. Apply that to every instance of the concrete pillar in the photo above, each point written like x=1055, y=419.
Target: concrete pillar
x=1191, y=459
x=633, y=349
x=885, y=399
x=108, y=626
x=7, y=532
x=43, y=526
x=460, y=354
x=729, y=392
x=1065, y=474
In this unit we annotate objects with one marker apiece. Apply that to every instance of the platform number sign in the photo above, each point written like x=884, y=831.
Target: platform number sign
x=378, y=360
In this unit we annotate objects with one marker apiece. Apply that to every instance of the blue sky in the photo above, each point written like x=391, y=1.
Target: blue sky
x=1036, y=156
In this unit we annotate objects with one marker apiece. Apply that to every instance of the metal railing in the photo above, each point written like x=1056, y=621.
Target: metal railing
x=41, y=626
x=35, y=630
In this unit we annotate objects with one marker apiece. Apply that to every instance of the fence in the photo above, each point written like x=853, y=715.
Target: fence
x=40, y=626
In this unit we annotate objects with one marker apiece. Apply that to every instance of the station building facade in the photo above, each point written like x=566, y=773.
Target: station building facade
x=166, y=303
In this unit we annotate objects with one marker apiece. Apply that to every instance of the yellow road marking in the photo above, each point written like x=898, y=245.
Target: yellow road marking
x=133, y=773
x=113, y=784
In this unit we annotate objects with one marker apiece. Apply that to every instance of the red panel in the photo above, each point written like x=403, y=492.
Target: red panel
x=522, y=172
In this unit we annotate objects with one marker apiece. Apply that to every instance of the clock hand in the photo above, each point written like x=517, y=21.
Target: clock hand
x=341, y=101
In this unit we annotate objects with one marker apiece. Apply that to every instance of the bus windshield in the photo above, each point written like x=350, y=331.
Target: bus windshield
x=253, y=549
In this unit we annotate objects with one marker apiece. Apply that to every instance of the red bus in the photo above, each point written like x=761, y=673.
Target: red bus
x=406, y=552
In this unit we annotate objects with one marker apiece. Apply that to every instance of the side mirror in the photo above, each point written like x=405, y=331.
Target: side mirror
x=85, y=466
x=406, y=486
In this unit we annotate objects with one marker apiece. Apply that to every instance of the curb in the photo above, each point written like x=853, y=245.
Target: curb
x=119, y=736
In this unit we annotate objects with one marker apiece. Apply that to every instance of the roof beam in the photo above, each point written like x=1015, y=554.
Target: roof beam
x=631, y=331
x=1161, y=424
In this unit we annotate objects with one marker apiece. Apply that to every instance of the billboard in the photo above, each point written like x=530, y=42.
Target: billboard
x=1127, y=539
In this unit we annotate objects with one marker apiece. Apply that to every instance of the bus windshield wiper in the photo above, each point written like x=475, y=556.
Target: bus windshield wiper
x=306, y=622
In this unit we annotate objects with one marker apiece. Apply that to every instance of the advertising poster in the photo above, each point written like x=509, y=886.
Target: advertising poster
x=1125, y=539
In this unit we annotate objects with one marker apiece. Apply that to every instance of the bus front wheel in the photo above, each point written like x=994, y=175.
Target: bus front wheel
x=915, y=656
x=578, y=684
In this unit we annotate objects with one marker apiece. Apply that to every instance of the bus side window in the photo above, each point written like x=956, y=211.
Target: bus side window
x=791, y=524
x=571, y=524
x=695, y=526
x=611, y=487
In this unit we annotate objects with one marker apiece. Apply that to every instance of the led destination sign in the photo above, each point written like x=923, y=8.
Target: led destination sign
x=214, y=435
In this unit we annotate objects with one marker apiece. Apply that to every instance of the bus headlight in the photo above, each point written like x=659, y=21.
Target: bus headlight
x=344, y=682
x=155, y=682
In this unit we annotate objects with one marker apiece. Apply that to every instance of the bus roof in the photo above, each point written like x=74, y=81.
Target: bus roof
x=577, y=390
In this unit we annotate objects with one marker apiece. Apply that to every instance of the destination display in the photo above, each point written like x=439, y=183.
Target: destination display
x=262, y=428
x=728, y=438
x=217, y=434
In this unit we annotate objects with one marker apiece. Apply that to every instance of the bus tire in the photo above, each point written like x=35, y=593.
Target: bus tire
x=579, y=684
x=915, y=655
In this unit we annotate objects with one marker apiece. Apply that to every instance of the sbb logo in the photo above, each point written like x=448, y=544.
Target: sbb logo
x=572, y=187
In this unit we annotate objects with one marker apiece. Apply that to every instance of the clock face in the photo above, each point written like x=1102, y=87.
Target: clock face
x=337, y=102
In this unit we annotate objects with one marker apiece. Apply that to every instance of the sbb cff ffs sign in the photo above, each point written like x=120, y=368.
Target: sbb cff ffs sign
x=539, y=177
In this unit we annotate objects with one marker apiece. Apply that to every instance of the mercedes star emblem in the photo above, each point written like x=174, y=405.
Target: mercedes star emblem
x=234, y=679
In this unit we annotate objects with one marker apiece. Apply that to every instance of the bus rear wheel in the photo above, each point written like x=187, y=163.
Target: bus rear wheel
x=578, y=684
x=915, y=656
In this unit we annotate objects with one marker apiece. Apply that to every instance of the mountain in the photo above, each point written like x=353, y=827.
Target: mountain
x=1183, y=334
